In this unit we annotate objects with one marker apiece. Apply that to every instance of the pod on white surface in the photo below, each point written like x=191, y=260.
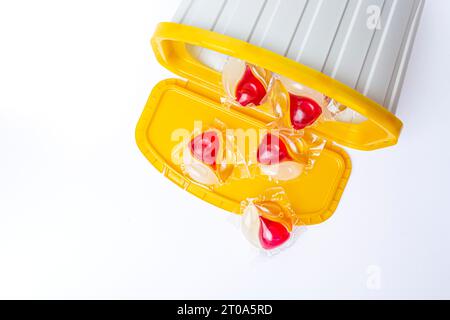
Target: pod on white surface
x=261, y=228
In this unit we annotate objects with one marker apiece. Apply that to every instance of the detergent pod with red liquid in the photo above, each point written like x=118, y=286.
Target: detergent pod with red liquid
x=246, y=85
x=298, y=106
x=207, y=156
x=268, y=222
x=284, y=156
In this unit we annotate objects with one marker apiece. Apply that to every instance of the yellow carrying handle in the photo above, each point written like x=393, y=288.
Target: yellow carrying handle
x=169, y=44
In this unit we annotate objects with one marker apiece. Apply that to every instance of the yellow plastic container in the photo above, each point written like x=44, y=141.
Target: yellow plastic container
x=176, y=104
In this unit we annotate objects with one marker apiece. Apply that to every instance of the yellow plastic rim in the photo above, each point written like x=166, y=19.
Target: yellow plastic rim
x=169, y=43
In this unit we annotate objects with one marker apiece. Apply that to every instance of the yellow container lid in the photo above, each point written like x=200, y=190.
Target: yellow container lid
x=169, y=43
x=177, y=104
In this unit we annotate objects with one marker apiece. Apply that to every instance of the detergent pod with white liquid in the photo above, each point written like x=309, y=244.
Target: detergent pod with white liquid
x=245, y=85
x=301, y=107
x=298, y=106
x=268, y=221
x=283, y=156
x=207, y=156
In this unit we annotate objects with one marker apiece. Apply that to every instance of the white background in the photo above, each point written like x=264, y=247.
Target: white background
x=84, y=215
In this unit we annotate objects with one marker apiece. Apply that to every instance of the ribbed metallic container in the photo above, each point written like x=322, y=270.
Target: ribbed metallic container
x=365, y=44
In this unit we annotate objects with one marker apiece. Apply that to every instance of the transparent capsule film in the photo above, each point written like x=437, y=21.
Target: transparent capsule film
x=340, y=113
x=207, y=157
x=246, y=85
x=284, y=155
x=299, y=107
x=293, y=104
x=268, y=221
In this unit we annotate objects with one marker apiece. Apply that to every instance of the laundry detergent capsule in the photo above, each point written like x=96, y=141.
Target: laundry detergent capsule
x=266, y=225
x=305, y=105
x=205, y=158
x=246, y=85
x=275, y=160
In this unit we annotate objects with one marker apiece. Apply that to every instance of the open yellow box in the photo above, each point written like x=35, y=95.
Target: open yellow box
x=177, y=104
